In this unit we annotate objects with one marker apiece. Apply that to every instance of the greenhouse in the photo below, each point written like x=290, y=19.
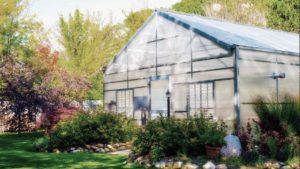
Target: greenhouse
x=181, y=65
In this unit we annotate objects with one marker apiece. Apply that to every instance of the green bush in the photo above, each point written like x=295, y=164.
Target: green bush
x=160, y=138
x=42, y=144
x=279, y=127
x=165, y=137
x=214, y=135
x=272, y=146
x=96, y=127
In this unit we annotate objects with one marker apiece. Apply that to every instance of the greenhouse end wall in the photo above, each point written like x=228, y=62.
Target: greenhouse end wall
x=163, y=56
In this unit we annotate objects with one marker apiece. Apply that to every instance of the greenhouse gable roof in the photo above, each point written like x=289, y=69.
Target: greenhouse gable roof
x=228, y=34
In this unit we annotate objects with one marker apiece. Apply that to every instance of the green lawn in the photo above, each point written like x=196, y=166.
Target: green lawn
x=17, y=152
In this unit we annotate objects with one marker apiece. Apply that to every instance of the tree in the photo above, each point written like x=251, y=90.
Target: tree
x=284, y=15
x=89, y=46
x=30, y=89
x=191, y=6
x=18, y=33
x=242, y=11
x=134, y=20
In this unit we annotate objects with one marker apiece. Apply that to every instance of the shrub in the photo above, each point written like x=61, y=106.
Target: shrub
x=278, y=127
x=272, y=146
x=214, y=135
x=166, y=137
x=97, y=127
x=160, y=138
x=41, y=144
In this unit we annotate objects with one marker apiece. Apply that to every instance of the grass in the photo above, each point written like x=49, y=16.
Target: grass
x=17, y=152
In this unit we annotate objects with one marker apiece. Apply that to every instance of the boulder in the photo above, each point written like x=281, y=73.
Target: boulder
x=221, y=166
x=271, y=165
x=209, y=165
x=56, y=150
x=106, y=150
x=177, y=164
x=99, y=145
x=190, y=166
x=160, y=164
x=94, y=148
x=233, y=146
x=121, y=148
x=88, y=146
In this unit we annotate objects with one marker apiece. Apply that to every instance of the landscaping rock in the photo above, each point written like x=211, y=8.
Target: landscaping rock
x=99, y=145
x=272, y=165
x=190, y=166
x=75, y=151
x=160, y=164
x=94, y=148
x=111, y=147
x=209, y=165
x=177, y=165
x=56, y=150
x=88, y=146
x=233, y=146
x=106, y=150
x=121, y=148
x=221, y=166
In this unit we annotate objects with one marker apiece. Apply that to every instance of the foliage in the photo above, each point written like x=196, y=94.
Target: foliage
x=19, y=34
x=214, y=135
x=42, y=144
x=272, y=146
x=35, y=87
x=191, y=6
x=97, y=127
x=165, y=137
x=134, y=20
x=96, y=90
x=276, y=14
x=284, y=15
x=280, y=141
x=160, y=138
x=89, y=46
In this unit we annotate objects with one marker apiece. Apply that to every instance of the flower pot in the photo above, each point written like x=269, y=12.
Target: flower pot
x=212, y=152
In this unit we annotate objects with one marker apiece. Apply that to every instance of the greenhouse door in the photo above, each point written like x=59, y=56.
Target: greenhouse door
x=158, y=88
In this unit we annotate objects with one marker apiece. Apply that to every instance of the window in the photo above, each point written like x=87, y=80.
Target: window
x=125, y=102
x=201, y=98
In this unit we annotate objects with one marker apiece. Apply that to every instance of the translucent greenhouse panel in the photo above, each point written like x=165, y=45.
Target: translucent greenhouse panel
x=224, y=102
x=138, y=83
x=179, y=98
x=115, y=77
x=110, y=101
x=141, y=92
x=213, y=75
x=115, y=86
x=202, y=47
x=109, y=97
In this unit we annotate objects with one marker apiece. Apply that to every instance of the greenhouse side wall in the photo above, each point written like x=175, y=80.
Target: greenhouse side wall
x=257, y=78
x=167, y=56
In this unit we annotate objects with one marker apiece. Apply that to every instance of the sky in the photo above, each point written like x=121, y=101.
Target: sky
x=48, y=11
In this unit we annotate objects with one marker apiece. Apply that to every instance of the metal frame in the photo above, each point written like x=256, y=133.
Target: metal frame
x=236, y=86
